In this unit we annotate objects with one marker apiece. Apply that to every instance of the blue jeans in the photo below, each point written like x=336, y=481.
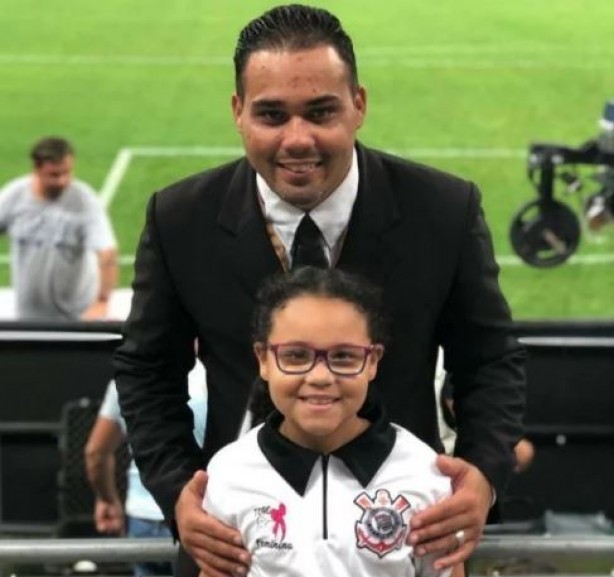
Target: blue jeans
x=145, y=528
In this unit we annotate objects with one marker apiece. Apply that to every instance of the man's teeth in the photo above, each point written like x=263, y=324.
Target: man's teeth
x=300, y=168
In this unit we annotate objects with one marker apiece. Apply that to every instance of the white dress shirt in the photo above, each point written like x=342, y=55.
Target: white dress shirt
x=331, y=216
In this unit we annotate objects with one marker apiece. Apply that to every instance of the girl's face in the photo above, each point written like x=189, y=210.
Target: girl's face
x=319, y=406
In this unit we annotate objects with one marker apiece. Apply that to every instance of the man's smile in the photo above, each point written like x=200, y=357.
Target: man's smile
x=300, y=167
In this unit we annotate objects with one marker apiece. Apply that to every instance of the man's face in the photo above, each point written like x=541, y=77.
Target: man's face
x=298, y=120
x=51, y=178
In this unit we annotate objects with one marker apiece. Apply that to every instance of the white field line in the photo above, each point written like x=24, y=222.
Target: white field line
x=124, y=260
x=452, y=152
x=584, y=259
x=109, y=60
x=478, y=58
x=186, y=151
x=481, y=153
x=486, y=64
x=124, y=157
x=503, y=260
x=506, y=49
x=115, y=176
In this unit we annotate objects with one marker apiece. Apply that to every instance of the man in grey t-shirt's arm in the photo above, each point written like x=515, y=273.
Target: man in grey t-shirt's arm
x=63, y=248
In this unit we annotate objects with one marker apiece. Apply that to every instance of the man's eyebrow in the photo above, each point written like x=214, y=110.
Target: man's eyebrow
x=326, y=99
x=266, y=104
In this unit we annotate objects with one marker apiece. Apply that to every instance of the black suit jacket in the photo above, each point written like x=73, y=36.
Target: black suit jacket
x=204, y=251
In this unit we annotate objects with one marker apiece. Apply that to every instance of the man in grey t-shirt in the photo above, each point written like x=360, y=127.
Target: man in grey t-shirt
x=63, y=249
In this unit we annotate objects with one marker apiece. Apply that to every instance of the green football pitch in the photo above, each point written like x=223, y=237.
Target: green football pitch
x=142, y=87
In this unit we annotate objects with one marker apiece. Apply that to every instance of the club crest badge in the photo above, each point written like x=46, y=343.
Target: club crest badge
x=381, y=528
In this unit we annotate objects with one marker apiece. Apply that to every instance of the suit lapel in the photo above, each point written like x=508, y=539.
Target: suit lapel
x=369, y=249
x=245, y=243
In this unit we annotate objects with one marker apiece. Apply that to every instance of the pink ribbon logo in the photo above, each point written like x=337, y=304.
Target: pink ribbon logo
x=277, y=516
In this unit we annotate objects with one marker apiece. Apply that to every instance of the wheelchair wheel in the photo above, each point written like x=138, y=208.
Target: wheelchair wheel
x=545, y=234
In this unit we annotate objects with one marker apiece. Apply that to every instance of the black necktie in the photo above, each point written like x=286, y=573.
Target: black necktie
x=307, y=249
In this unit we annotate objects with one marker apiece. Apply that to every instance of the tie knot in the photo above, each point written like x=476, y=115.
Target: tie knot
x=307, y=229
x=307, y=249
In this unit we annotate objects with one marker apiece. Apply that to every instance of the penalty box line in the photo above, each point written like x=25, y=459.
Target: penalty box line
x=125, y=156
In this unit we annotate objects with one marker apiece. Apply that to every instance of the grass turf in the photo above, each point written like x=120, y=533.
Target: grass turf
x=456, y=75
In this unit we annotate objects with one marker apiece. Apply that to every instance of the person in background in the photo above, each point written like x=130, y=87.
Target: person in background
x=63, y=248
x=524, y=450
x=140, y=516
x=307, y=192
x=599, y=209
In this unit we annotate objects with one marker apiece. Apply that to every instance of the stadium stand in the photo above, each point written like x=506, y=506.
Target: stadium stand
x=570, y=404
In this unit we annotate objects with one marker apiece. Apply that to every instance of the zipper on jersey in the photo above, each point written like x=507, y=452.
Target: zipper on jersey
x=325, y=497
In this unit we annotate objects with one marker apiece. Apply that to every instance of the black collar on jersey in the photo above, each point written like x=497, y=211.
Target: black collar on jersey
x=363, y=455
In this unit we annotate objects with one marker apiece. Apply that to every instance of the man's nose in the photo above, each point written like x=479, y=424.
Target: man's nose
x=298, y=134
x=62, y=180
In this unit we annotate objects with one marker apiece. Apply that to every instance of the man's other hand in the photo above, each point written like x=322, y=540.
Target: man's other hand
x=217, y=548
x=454, y=526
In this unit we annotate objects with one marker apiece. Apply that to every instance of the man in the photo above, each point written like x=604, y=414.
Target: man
x=63, y=249
x=142, y=516
x=211, y=239
x=599, y=208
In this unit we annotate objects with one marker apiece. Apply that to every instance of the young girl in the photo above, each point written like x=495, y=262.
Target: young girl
x=326, y=486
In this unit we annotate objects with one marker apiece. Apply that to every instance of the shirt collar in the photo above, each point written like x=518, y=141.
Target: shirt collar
x=363, y=456
x=332, y=215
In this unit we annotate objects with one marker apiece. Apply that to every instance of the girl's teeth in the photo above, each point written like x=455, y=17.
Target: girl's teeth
x=320, y=401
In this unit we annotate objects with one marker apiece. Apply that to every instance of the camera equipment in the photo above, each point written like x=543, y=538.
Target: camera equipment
x=545, y=232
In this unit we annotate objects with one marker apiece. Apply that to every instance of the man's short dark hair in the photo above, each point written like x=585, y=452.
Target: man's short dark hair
x=51, y=149
x=293, y=27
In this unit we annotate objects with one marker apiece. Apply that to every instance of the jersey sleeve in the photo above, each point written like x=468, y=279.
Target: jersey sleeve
x=439, y=487
x=218, y=496
x=109, y=408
